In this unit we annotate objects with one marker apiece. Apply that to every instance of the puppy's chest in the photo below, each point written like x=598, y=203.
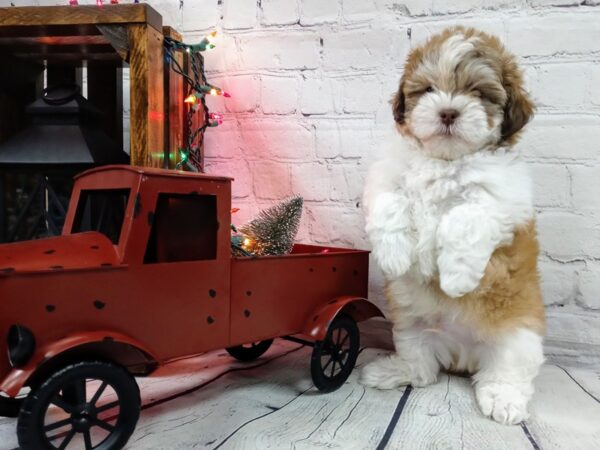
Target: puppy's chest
x=430, y=198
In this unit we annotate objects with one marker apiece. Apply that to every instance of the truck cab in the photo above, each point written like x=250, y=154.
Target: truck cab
x=171, y=232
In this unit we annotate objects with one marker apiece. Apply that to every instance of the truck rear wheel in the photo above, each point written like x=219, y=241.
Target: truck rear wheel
x=249, y=352
x=86, y=405
x=334, y=357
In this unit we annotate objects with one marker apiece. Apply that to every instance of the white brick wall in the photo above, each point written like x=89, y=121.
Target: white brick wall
x=327, y=69
x=311, y=79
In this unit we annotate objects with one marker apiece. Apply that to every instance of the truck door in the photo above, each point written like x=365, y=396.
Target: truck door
x=185, y=273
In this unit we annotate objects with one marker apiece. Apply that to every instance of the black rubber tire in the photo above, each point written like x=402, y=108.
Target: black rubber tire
x=341, y=345
x=249, y=352
x=10, y=407
x=30, y=425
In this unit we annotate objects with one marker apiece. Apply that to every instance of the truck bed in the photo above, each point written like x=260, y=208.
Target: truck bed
x=276, y=295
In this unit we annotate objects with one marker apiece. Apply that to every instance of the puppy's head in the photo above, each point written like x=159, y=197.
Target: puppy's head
x=461, y=92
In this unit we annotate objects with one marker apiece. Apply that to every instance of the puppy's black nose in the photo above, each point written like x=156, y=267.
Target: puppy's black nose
x=448, y=116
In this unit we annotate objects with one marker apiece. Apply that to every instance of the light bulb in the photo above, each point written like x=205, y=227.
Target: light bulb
x=216, y=117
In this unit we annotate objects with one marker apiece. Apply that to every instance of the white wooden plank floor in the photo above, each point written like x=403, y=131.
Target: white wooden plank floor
x=214, y=402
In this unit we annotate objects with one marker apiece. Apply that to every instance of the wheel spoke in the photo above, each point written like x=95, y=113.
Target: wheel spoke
x=345, y=339
x=80, y=391
x=62, y=404
x=107, y=406
x=67, y=439
x=339, y=337
x=332, y=369
x=102, y=424
x=87, y=438
x=55, y=425
x=343, y=356
x=327, y=365
x=98, y=393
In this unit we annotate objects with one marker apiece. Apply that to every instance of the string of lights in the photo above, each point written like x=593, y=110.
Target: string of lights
x=197, y=89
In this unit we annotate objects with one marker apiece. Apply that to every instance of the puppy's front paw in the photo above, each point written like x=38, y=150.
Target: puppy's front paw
x=456, y=284
x=392, y=258
x=503, y=402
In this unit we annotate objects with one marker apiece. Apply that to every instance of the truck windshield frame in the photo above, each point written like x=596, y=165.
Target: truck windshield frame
x=102, y=210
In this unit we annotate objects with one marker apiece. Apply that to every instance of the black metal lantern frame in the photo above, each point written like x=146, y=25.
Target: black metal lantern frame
x=37, y=165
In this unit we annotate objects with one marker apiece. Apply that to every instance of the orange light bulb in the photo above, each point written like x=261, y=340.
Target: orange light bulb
x=212, y=37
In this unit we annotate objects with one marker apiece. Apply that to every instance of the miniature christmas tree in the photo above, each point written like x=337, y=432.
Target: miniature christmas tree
x=272, y=232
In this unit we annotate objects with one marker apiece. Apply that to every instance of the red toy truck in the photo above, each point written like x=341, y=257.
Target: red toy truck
x=143, y=274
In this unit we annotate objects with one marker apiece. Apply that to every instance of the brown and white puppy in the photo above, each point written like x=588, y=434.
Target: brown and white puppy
x=449, y=214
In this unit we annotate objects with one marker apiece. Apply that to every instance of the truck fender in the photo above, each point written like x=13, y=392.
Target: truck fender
x=356, y=307
x=107, y=345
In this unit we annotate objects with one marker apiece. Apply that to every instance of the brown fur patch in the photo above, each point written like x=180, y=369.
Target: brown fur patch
x=508, y=296
x=504, y=92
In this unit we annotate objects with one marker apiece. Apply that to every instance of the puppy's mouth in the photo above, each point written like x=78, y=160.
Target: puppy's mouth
x=446, y=131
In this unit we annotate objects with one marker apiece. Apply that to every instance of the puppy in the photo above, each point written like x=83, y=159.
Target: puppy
x=449, y=214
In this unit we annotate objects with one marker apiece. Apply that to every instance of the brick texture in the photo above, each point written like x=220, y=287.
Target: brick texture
x=310, y=83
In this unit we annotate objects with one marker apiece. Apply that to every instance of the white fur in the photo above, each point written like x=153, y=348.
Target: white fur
x=429, y=217
x=469, y=133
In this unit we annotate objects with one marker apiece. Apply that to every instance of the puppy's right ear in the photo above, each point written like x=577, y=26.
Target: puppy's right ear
x=398, y=106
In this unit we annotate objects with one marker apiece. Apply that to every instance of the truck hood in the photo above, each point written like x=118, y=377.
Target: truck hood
x=75, y=251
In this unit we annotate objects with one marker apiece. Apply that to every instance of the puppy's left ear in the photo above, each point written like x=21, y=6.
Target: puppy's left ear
x=398, y=107
x=519, y=107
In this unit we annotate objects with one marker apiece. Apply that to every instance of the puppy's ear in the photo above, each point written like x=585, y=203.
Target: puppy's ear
x=518, y=109
x=398, y=104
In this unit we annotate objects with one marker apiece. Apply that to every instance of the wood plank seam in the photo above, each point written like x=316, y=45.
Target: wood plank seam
x=394, y=420
x=530, y=437
x=577, y=383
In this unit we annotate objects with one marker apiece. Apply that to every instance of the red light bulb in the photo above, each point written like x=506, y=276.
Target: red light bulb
x=216, y=117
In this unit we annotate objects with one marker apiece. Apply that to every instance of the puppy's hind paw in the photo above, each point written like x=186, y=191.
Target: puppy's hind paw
x=385, y=373
x=505, y=403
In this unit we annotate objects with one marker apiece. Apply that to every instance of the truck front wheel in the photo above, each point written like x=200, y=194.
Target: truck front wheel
x=86, y=405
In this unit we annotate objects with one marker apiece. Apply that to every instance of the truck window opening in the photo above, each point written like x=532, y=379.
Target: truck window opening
x=184, y=228
x=101, y=210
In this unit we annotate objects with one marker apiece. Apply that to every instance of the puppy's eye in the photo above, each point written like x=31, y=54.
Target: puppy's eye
x=429, y=89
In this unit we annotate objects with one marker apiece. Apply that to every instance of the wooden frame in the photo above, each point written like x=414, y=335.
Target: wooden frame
x=107, y=36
